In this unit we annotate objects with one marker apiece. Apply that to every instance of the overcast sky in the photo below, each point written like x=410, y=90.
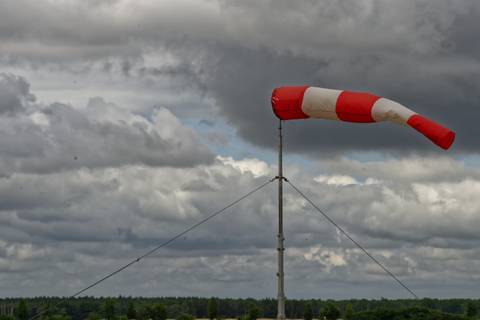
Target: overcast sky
x=124, y=122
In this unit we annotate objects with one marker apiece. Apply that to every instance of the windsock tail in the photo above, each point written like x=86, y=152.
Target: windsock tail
x=441, y=136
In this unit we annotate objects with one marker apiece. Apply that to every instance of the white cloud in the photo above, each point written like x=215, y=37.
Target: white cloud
x=254, y=166
x=93, y=219
x=336, y=180
x=48, y=138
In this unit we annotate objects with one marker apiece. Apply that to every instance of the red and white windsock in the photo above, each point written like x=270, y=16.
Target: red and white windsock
x=310, y=102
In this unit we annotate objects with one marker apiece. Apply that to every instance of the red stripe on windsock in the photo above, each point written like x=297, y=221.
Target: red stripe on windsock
x=355, y=106
x=441, y=136
x=287, y=102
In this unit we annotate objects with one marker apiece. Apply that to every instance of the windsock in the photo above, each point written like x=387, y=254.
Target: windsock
x=310, y=102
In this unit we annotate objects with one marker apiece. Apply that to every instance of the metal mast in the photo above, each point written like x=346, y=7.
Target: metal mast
x=280, y=238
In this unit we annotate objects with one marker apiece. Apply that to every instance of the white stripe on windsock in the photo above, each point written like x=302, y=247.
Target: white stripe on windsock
x=387, y=110
x=320, y=103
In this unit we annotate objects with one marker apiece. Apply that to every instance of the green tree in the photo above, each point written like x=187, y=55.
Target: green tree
x=349, y=312
x=60, y=317
x=330, y=312
x=307, y=312
x=109, y=309
x=22, y=310
x=93, y=316
x=47, y=312
x=471, y=309
x=147, y=312
x=185, y=316
x=212, y=308
x=159, y=312
x=253, y=312
x=131, y=311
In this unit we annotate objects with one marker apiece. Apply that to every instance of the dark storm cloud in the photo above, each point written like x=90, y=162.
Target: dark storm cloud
x=420, y=53
x=243, y=94
x=437, y=79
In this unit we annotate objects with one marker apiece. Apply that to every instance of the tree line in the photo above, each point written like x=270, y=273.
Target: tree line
x=189, y=308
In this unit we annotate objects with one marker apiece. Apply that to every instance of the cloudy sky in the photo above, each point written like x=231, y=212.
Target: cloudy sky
x=124, y=122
